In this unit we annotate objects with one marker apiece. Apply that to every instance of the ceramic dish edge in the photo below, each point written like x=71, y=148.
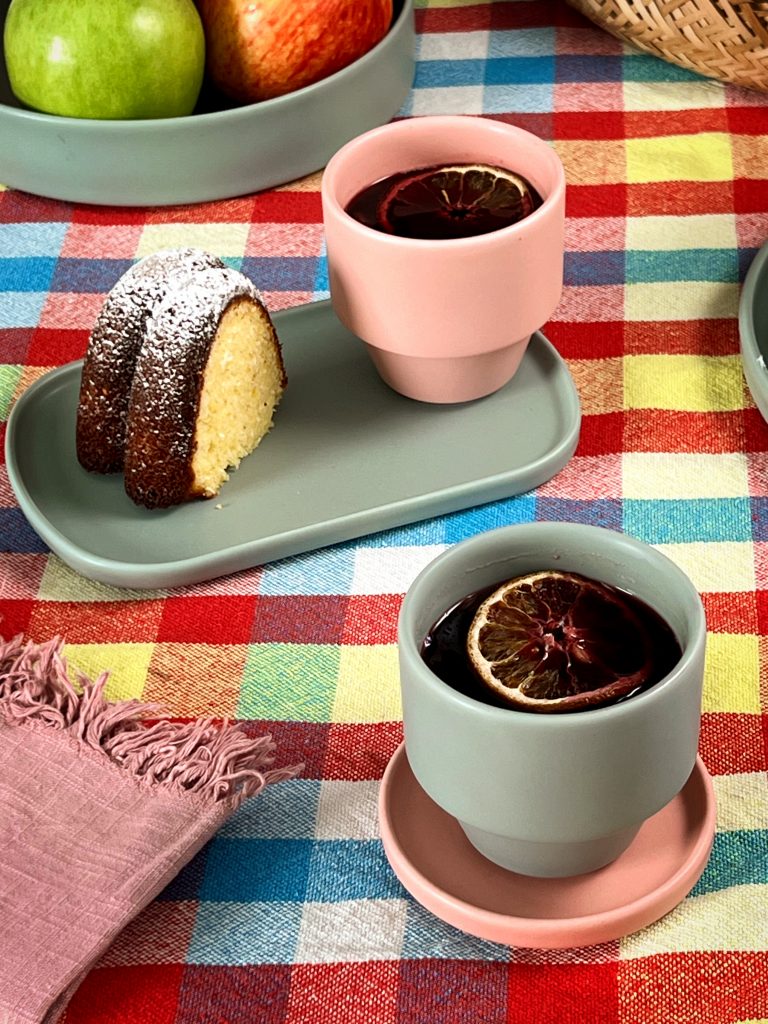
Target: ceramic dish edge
x=207, y=156
x=753, y=358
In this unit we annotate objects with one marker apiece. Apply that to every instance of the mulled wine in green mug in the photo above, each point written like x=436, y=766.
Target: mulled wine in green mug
x=553, y=792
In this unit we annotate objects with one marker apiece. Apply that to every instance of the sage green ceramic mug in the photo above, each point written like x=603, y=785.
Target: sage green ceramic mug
x=552, y=795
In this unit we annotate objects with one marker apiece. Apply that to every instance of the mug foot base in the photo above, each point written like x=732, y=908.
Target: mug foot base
x=440, y=868
x=451, y=379
x=550, y=860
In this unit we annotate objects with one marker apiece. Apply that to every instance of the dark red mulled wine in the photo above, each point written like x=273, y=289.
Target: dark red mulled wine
x=444, y=649
x=445, y=201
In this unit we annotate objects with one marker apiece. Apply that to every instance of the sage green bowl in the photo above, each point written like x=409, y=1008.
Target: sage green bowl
x=213, y=153
x=753, y=329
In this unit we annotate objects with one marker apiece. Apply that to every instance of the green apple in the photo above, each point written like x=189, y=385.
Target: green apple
x=105, y=58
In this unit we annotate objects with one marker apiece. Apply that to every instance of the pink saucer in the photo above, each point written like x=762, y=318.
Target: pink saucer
x=437, y=864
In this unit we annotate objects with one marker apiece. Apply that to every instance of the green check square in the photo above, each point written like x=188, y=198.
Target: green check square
x=9, y=379
x=289, y=682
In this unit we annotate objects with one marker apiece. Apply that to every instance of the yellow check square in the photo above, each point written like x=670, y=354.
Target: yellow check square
x=368, y=687
x=684, y=383
x=127, y=664
x=702, y=157
x=732, y=674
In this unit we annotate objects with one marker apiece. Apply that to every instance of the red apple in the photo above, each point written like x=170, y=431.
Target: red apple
x=258, y=49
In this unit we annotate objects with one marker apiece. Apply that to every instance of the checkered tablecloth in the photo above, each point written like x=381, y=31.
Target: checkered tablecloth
x=292, y=915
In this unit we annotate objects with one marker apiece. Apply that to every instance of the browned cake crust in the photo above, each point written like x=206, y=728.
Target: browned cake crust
x=168, y=379
x=113, y=348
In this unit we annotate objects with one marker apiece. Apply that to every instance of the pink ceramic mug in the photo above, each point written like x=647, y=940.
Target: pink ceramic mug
x=445, y=321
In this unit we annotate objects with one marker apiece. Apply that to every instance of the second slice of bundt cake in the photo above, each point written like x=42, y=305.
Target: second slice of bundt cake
x=113, y=347
x=208, y=378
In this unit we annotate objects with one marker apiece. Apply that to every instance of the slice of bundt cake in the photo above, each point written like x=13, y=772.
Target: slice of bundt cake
x=208, y=377
x=112, y=350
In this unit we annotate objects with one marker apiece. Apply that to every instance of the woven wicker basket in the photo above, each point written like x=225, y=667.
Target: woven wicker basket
x=725, y=39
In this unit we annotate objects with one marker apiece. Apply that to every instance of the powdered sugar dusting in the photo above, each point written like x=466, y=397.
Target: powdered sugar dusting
x=167, y=382
x=113, y=347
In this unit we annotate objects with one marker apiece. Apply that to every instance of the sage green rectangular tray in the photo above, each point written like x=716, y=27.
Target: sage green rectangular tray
x=347, y=457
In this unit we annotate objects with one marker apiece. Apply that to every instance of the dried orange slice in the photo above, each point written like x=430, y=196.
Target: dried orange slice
x=558, y=641
x=455, y=201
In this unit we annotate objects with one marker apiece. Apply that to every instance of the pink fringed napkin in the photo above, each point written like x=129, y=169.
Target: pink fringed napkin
x=98, y=812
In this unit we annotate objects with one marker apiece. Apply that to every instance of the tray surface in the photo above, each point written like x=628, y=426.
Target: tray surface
x=753, y=329
x=347, y=457
x=214, y=153
x=436, y=863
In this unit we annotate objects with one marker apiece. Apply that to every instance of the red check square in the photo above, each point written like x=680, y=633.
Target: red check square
x=213, y=620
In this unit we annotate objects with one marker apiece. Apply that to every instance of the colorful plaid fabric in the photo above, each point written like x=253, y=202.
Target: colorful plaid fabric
x=291, y=915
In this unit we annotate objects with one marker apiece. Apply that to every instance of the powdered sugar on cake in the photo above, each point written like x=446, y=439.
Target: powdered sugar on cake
x=183, y=374
x=112, y=350
x=173, y=421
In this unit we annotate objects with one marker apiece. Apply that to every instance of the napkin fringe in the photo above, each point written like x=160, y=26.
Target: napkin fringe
x=217, y=761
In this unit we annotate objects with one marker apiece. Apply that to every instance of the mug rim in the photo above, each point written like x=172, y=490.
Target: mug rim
x=692, y=649
x=330, y=175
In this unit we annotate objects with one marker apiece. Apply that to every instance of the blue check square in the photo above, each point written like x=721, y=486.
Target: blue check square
x=350, y=869
x=262, y=870
x=245, y=933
